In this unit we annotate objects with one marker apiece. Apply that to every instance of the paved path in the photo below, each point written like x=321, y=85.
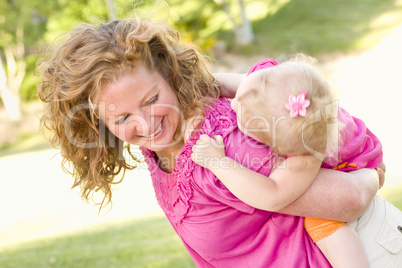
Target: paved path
x=371, y=89
x=34, y=197
x=35, y=200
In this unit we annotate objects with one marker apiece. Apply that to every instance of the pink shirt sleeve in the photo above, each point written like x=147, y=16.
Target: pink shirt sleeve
x=263, y=64
x=360, y=148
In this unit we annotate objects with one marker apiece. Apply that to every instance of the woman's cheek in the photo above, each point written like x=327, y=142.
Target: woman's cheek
x=116, y=131
x=165, y=109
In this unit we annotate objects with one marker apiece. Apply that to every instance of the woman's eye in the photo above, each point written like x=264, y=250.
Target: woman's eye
x=154, y=99
x=122, y=119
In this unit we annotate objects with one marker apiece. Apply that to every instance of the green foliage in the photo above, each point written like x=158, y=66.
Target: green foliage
x=72, y=13
x=142, y=243
x=198, y=20
x=314, y=27
x=32, y=14
x=28, y=89
x=281, y=26
x=23, y=21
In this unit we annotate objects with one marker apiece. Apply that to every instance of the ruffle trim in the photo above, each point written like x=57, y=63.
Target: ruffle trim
x=174, y=190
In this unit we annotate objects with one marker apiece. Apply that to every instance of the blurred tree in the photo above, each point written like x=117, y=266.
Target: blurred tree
x=24, y=22
x=12, y=71
x=72, y=12
x=111, y=9
x=243, y=31
x=21, y=24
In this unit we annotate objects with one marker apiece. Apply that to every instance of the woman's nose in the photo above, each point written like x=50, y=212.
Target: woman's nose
x=138, y=125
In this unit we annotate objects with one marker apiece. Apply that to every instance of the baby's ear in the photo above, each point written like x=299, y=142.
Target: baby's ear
x=251, y=94
x=259, y=96
x=233, y=104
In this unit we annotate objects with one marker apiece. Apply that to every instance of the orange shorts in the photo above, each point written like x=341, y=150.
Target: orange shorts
x=321, y=228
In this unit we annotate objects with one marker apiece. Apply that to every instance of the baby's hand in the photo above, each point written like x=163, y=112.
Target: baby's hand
x=207, y=152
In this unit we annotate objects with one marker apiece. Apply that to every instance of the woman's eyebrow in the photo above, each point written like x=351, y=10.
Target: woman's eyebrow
x=153, y=91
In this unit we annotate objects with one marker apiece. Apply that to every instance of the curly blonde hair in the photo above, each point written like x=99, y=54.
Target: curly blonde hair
x=73, y=74
x=311, y=134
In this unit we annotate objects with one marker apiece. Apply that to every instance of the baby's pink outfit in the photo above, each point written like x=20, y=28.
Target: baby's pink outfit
x=218, y=229
x=359, y=147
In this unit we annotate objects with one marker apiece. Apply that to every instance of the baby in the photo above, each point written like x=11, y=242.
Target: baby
x=291, y=108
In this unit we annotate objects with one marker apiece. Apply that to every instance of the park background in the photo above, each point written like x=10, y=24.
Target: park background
x=45, y=224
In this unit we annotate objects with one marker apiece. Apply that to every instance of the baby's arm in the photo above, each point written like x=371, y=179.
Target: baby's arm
x=271, y=193
x=229, y=83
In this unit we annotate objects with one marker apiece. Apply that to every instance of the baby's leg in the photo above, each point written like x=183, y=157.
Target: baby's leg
x=343, y=248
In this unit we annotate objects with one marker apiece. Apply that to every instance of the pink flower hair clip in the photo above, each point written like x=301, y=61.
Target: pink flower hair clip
x=297, y=105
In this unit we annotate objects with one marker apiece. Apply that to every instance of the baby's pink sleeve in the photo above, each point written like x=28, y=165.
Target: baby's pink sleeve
x=360, y=147
x=263, y=64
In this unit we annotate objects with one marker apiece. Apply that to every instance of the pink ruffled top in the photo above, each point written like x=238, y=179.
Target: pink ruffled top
x=218, y=229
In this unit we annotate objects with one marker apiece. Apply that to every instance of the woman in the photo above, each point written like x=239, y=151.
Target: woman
x=133, y=81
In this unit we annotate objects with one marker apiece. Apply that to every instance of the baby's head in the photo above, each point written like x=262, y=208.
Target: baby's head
x=260, y=104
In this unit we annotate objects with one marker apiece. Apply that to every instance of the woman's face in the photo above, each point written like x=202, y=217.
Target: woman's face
x=140, y=108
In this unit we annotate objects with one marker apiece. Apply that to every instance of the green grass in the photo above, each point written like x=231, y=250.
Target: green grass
x=23, y=136
x=147, y=242
x=317, y=27
x=27, y=142
x=393, y=194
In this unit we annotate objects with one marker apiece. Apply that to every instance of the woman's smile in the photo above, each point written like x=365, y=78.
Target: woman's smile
x=157, y=131
x=145, y=110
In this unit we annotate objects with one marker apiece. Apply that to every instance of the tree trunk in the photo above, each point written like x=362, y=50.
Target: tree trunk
x=111, y=10
x=11, y=80
x=243, y=32
x=10, y=100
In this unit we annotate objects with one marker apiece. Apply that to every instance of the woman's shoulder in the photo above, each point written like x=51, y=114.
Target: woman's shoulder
x=219, y=119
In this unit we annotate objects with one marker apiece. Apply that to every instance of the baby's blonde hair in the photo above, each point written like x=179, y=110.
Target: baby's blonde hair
x=313, y=134
x=73, y=74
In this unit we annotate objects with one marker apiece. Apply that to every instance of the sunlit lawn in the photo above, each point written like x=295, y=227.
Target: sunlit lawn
x=147, y=242
x=319, y=27
x=393, y=194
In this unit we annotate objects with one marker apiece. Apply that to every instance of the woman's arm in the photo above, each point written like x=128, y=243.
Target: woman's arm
x=229, y=83
x=337, y=195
